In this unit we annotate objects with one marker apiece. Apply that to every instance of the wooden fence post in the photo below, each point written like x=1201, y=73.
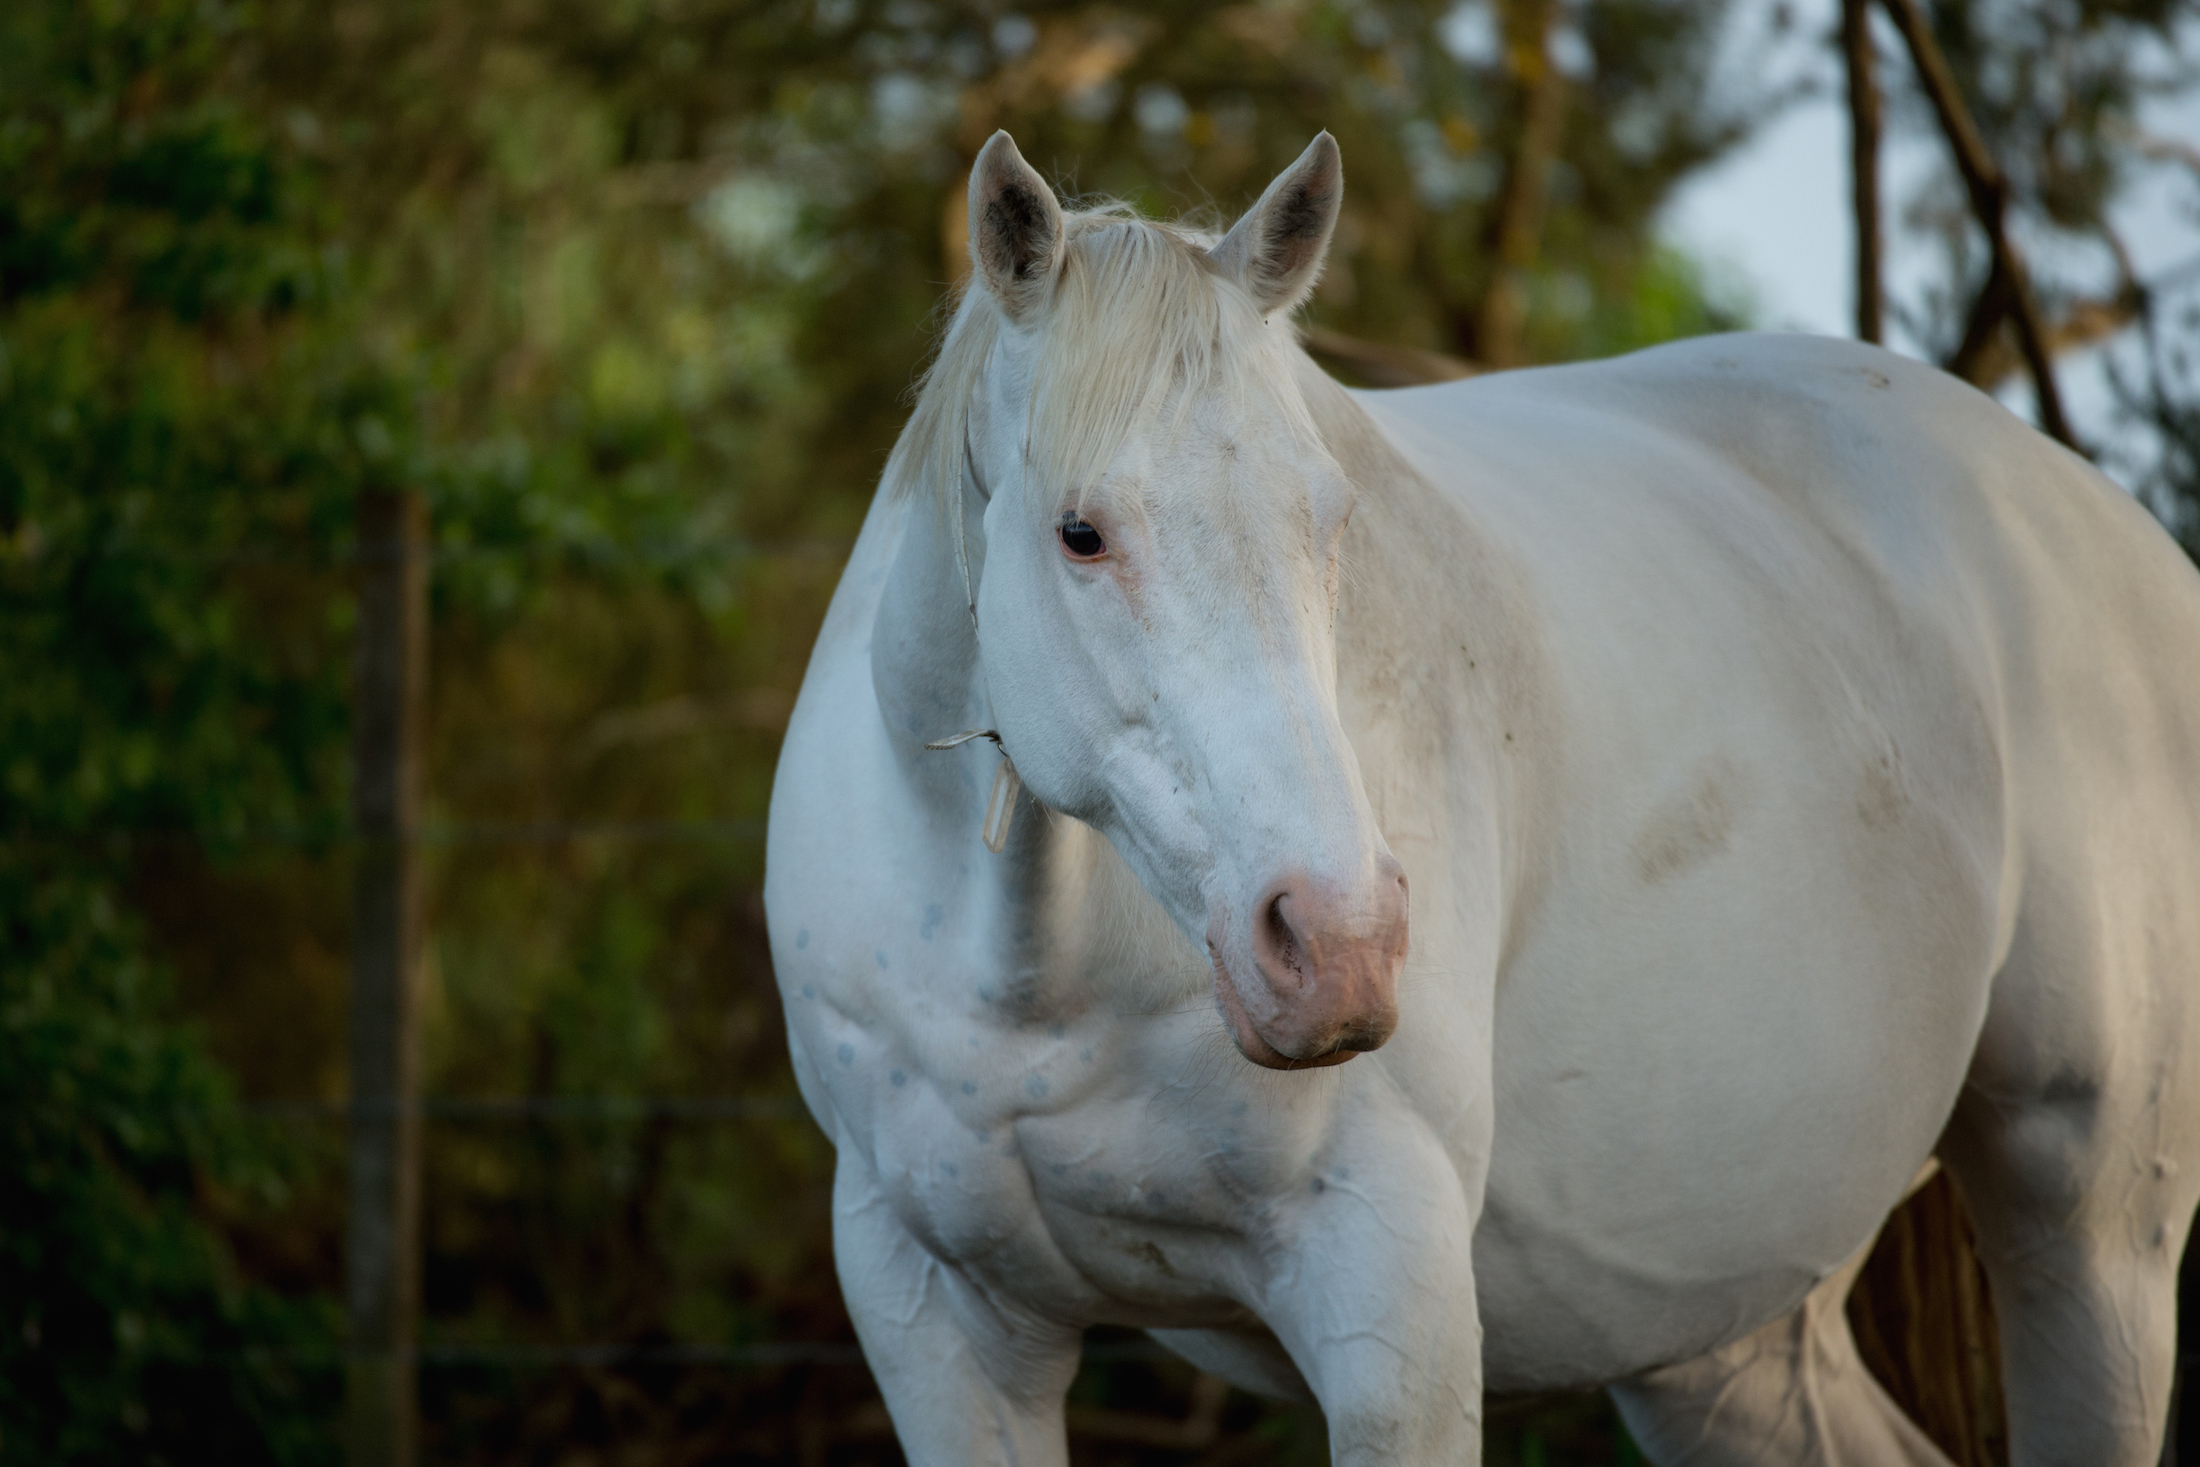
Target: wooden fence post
x=382, y=1232
x=1923, y=1318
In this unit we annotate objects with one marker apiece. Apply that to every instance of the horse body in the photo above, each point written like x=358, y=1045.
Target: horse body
x=1750, y=870
x=1787, y=751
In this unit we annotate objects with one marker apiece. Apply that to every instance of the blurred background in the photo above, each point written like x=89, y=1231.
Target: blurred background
x=627, y=296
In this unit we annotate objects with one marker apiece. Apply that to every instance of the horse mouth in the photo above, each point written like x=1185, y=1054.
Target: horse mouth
x=1255, y=1046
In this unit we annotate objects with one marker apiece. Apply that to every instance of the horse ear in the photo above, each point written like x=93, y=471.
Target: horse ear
x=1276, y=250
x=1015, y=228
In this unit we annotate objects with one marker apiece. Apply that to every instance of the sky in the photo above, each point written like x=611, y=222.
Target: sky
x=1775, y=214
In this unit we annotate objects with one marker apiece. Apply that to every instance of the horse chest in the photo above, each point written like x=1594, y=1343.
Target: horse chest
x=1031, y=1161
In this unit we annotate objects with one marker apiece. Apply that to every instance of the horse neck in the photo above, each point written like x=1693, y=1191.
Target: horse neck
x=1432, y=589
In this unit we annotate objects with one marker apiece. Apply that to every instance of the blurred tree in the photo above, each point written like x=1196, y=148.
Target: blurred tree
x=2163, y=395
x=171, y=426
x=2055, y=91
x=2059, y=93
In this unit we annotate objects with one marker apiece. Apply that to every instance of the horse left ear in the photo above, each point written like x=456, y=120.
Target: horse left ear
x=1276, y=250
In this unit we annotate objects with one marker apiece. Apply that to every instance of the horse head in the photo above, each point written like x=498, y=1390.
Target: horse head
x=1153, y=568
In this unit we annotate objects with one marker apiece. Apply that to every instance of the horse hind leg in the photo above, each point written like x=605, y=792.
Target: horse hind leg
x=1795, y=1392
x=2076, y=1194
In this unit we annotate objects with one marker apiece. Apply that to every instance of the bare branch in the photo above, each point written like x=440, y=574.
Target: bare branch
x=2166, y=150
x=1989, y=190
x=1982, y=329
x=2084, y=324
x=1379, y=364
x=1856, y=47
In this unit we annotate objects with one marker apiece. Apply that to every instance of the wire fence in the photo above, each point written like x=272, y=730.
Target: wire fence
x=433, y=834
x=582, y=1117
x=655, y=554
x=620, y=1355
x=529, y=1108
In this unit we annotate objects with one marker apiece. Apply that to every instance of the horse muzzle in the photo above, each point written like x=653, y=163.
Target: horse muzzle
x=1318, y=981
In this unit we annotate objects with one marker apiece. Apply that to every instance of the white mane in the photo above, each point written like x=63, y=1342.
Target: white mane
x=1141, y=316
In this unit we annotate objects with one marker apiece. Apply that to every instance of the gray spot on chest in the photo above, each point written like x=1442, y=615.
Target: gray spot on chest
x=1880, y=795
x=1689, y=829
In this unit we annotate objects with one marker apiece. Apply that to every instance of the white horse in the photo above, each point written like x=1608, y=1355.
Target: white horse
x=1795, y=762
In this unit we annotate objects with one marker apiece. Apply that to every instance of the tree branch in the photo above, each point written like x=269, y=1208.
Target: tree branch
x=1983, y=328
x=1856, y=48
x=1989, y=190
x=1381, y=364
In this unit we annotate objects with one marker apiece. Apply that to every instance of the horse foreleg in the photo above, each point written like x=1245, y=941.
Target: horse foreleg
x=1373, y=1296
x=1795, y=1393
x=968, y=1378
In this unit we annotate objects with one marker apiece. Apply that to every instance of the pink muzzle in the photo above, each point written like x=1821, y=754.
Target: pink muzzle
x=1323, y=981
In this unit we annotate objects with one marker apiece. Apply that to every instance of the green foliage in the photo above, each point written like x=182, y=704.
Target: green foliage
x=173, y=440
x=175, y=658
x=128, y=1333
x=128, y=166
x=1663, y=296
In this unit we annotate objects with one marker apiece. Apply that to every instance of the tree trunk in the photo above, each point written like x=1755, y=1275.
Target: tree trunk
x=1516, y=235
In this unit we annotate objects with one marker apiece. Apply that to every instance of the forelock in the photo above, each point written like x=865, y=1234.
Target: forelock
x=1141, y=320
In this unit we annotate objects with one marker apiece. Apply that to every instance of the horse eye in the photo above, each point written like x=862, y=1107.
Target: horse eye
x=1081, y=539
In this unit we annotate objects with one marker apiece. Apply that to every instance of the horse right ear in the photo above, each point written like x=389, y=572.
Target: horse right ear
x=1015, y=229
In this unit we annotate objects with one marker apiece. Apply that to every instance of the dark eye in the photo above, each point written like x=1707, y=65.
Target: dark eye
x=1081, y=540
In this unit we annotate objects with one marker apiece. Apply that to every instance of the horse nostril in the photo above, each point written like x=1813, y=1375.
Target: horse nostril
x=1390, y=865
x=1283, y=940
x=1396, y=918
